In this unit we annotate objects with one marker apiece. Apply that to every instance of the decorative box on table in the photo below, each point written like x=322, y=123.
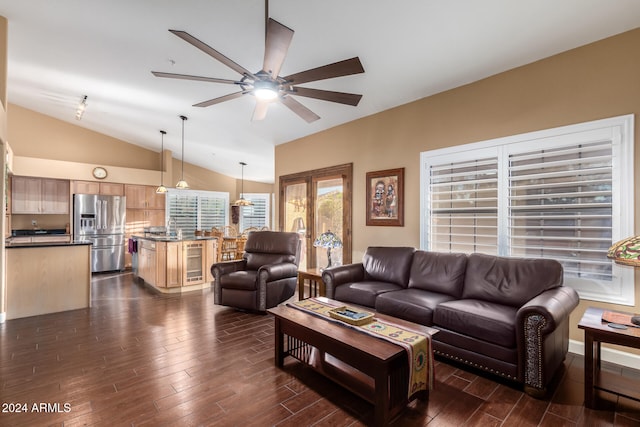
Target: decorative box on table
x=351, y=316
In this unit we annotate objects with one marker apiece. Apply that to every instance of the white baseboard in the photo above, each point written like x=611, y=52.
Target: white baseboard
x=609, y=355
x=3, y=316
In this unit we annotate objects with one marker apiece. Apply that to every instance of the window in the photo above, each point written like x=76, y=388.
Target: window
x=554, y=194
x=257, y=215
x=197, y=210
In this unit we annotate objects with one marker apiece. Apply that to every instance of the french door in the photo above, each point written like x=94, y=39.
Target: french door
x=315, y=202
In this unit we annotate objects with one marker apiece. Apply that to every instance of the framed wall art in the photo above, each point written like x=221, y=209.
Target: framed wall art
x=385, y=197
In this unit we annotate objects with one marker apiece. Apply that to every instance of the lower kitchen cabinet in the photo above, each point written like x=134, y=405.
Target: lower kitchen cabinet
x=174, y=266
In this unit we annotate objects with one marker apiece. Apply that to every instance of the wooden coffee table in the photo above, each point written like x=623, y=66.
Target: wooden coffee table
x=373, y=368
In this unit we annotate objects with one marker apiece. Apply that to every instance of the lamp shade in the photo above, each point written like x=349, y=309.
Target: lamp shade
x=626, y=251
x=328, y=240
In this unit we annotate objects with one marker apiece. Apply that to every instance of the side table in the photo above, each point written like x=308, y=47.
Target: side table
x=316, y=285
x=596, y=332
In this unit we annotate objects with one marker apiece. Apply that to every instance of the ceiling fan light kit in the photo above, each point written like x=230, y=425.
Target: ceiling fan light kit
x=267, y=84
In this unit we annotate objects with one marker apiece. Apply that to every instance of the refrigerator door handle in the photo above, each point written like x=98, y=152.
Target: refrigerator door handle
x=98, y=215
x=104, y=214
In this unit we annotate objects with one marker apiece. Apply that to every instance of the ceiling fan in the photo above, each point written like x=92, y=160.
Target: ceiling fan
x=267, y=85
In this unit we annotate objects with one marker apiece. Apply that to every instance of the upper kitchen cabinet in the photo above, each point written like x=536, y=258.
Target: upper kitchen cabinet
x=93, y=187
x=143, y=197
x=39, y=195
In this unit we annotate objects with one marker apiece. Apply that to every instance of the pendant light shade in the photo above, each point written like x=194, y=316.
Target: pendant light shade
x=182, y=184
x=162, y=189
x=242, y=201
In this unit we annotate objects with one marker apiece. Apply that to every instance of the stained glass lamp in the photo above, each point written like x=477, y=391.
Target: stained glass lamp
x=328, y=240
x=626, y=251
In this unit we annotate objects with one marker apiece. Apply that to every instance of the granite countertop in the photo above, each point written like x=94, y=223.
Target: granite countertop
x=173, y=239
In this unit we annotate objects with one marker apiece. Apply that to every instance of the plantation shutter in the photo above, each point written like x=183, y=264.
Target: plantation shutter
x=560, y=207
x=197, y=210
x=183, y=210
x=256, y=215
x=463, y=205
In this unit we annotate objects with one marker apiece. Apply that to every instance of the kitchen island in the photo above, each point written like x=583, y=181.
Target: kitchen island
x=175, y=265
x=47, y=277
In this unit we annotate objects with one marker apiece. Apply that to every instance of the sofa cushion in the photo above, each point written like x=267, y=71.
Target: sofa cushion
x=509, y=281
x=438, y=272
x=363, y=293
x=271, y=247
x=242, y=280
x=388, y=264
x=483, y=320
x=257, y=260
x=414, y=305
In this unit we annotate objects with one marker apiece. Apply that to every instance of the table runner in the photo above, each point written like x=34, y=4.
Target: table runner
x=417, y=345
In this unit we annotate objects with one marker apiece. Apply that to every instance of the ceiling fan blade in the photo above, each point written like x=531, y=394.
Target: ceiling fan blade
x=260, y=112
x=329, y=71
x=220, y=99
x=299, y=109
x=276, y=47
x=212, y=52
x=196, y=78
x=327, y=95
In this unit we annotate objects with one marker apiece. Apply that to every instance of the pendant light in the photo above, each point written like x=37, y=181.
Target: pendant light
x=162, y=189
x=242, y=201
x=182, y=184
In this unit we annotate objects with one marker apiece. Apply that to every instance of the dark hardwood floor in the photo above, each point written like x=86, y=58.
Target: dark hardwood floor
x=139, y=358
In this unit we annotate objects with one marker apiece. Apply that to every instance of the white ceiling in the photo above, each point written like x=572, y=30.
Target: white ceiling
x=410, y=49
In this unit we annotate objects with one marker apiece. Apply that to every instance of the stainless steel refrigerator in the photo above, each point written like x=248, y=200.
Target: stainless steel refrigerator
x=101, y=220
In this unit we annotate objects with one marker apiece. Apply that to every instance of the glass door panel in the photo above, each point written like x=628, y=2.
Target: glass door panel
x=328, y=202
x=296, y=215
x=313, y=202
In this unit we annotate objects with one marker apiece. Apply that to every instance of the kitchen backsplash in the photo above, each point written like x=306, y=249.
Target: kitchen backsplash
x=23, y=222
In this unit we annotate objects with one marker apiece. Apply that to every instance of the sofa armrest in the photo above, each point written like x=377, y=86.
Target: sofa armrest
x=336, y=276
x=542, y=336
x=273, y=272
x=553, y=305
x=221, y=268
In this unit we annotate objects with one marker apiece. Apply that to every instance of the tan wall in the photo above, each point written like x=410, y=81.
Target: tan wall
x=44, y=146
x=592, y=82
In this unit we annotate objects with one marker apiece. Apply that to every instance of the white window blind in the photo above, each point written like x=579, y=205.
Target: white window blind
x=560, y=193
x=258, y=214
x=464, y=206
x=560, y=207
x=197, y=210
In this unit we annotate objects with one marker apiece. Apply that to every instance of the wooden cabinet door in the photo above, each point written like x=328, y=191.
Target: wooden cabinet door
x=154, y=200
x=55, y=196
x=173, y=266
x=86, y=187
x=111, y=189
x=26, y=194
x=136, y=196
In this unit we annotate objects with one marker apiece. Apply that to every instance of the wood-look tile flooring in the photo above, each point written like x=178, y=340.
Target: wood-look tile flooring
x=139, y=358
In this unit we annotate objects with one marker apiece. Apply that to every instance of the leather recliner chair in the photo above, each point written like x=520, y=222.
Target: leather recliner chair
x=264, y=277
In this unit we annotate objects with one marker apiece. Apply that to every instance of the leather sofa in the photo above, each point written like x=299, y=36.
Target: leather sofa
x=507, y=316
x=264, y=277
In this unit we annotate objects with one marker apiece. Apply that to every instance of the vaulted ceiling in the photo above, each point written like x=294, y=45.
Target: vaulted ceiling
x=60, y=51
